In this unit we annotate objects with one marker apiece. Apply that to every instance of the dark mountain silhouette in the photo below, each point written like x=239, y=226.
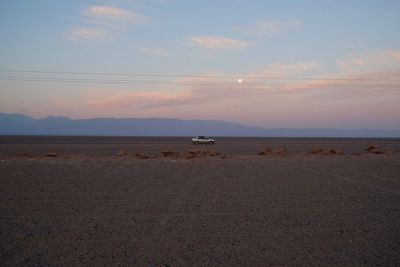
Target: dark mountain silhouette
x=18, y=124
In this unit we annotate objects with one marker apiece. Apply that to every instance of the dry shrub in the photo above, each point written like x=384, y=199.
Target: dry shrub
x=51, y=154
x=122, y=153
x=371, y=148
x=270, y=151
x=194, y=152
x=25, y=154
x=202, y=153
x=374, y=150
x=170, y=153
x=377, y=152
x=212, y=153
x=329, y=151
x=141, y=156
x=191, y=156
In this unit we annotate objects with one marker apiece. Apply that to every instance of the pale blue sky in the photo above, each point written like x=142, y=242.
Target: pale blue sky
x=269, y=39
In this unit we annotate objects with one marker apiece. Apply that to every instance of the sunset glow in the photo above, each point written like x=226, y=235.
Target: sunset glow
x=310, y=65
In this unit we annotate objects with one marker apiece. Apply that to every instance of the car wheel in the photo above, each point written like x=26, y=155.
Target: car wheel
x=211, y=143
x=196, y=142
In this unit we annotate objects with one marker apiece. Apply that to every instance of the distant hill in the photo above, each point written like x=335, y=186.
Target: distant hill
x=18, y=124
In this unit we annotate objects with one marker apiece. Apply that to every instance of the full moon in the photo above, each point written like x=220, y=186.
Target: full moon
x=240, y=81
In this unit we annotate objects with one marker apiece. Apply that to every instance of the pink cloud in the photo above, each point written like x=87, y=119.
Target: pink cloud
x=82, y=34
x=154, y=50
x=394, y=54
x=268, y=97
x=256, y=89
x=269, y=27
x=100, y=23
x=373, y=61
x=219, y=43
x=113, y=13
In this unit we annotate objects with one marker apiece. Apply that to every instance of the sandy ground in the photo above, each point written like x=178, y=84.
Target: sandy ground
x=90, y=207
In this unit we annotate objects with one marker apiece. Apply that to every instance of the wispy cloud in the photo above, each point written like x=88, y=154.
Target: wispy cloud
x=269, y=27
x=199, y=92
x=219, y=43
x=394, y=55
x=378, y=60
x=282, y=93
x=113, y=13
x=102, y=23
x=82, y=34
x=280, y=87
x=154, y=50
x=281, y=70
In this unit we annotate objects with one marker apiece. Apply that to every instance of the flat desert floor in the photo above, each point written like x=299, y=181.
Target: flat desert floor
x=97, y=201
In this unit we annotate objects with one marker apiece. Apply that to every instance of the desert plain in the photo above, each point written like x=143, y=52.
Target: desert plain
x=162, y=201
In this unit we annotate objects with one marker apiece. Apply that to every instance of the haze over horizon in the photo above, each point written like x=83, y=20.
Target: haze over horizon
x=309, y=65
x=22, y=125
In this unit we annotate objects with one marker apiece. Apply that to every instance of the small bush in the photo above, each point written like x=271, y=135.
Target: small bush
x=270, y=151
x=170, y=153
x=374, y=150
x=122, y=153
x=25, y=154
x=329, y=151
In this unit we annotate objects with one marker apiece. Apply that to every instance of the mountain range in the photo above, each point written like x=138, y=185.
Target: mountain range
x=19, y=124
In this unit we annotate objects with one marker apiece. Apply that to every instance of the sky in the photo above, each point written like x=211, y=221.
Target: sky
x=274, y=64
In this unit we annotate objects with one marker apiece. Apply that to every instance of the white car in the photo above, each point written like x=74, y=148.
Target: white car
x=202, y=140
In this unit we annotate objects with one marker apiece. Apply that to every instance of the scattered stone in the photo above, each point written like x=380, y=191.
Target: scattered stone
x=51, y=154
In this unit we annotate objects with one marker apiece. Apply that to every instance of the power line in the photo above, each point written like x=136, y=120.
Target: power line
x=189, y=76
x=194, y=83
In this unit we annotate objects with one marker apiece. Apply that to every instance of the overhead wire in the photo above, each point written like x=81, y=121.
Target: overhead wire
x=178, y=80
x=189, y=75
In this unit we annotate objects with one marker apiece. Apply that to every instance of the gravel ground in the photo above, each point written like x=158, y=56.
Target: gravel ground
x=90, y=207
